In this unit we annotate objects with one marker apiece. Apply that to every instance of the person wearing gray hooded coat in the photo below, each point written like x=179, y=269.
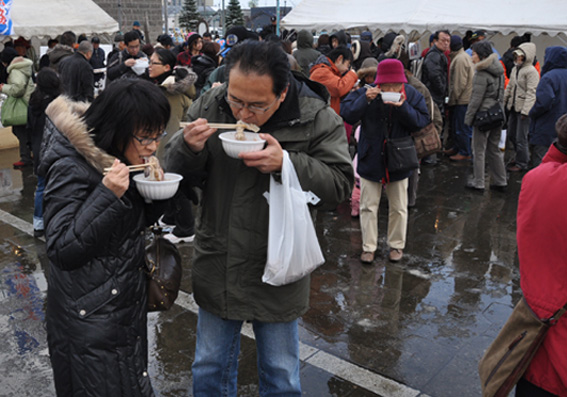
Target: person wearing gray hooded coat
x=488, y=89
x=305, y=53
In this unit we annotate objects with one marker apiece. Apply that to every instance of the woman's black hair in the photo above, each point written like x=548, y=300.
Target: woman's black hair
x=126, y=107
x=166, y=57
x=262, y=58
x=48, y=85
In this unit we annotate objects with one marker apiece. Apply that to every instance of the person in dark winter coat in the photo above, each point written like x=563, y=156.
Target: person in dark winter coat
x=323, y=45
x=204, y=64
x=94, y=227
x=121, y=63
x=551, y=102
x=48, y=87
x=435, y=68
x=98, y=58
x=62, y=50
x=77, y=74
x=488, y=89
x=305, y=53
x=381, y=120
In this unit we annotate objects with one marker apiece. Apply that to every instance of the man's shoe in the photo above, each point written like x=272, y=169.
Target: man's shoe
x=459, y=157
x=176, y=240
x=367, y=257
x=514, y=168
x=21, y=164
x=37, y=233
x=471, y=186
x=396, y=255
x=499, y=188
x=449, y=152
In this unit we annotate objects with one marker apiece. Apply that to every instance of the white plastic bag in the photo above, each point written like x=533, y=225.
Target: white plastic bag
x=293, y=248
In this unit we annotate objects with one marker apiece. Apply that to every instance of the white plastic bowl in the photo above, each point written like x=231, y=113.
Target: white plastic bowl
x=233, y=147
x=158, y=190
x=391, y=96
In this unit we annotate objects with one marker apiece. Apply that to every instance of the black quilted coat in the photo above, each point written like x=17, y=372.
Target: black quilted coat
x=96, y=302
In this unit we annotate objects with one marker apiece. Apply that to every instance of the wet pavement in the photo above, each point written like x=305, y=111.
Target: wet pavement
x=415, y=328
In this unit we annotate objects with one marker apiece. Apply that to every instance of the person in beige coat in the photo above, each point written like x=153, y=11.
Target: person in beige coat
x=461, y=74
x=519, y=98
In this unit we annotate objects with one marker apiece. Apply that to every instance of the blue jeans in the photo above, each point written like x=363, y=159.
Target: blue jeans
x=216, y=357
x=38, y=204
x=463, y=133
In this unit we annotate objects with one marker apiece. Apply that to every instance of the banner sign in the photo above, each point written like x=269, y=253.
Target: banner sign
x=5, y=19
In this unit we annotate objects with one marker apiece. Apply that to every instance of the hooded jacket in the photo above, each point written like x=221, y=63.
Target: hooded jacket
x=20, y=83
x=305, y=53
x=180, y=95
x=380, y=121
x=488, y=87
x=461, y=74
x=325, y=71
x=541, y=235
x=520, y=92
x=232, y=224
x=96, y=299
x=58, y=53
x=551, y=97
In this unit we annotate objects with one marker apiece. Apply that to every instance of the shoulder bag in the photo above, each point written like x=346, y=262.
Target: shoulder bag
x=163, y=269
x=427, y=140
x=494, y=117
x=510, y=354
x=14, y=111
x=401, y=154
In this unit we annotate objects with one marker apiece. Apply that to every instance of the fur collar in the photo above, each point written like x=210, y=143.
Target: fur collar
x=66, y=116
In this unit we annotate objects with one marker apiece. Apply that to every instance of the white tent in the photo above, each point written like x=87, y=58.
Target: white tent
x=503, y=16
x=50, y=18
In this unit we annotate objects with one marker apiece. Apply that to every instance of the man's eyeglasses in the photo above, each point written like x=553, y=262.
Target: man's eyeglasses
x=149, y=141
x=251, y=108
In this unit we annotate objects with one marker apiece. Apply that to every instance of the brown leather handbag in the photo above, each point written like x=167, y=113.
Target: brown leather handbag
x=509, y=355
x=164, y=270
x=427, y=141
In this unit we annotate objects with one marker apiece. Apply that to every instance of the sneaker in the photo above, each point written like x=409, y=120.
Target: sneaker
x=163, y=224
x=471, y=186
x=21, y=164
x=367, y=257
x=176, y=240
x=396, y=255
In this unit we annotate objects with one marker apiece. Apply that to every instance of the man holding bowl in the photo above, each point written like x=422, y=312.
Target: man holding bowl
x=232, y=229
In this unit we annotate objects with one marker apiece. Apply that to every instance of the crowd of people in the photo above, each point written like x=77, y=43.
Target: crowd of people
x=333, y=105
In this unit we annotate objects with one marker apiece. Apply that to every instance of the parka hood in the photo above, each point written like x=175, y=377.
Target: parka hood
x=491, y=65
x=530, y=50
x=555, y=58
x=22, y=64
x=60, y=51
x=180, y=86
x=304, y=39
x=73, y=137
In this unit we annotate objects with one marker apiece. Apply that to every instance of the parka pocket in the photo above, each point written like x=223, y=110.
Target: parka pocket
x=97, y=298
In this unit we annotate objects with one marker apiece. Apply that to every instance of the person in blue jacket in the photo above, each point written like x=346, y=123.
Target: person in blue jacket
x=380, y=119
x=550, y=104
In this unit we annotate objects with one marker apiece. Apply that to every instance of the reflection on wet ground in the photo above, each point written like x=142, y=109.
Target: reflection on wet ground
x=423, y=322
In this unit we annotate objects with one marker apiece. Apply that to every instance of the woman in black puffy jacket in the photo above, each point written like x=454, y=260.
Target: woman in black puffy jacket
x=94, y=227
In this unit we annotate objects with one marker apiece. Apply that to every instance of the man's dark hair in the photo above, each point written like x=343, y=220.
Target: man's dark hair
x=262, y=58
x=516, y=41
x=68, y=38
x=323, y=40
x=131, y=36
x=345, y=52
x=125, y=107
x=207, y=34
x=51, y=42
x=436, y=34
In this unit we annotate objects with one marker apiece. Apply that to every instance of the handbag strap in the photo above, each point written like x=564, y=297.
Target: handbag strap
x=553, y=319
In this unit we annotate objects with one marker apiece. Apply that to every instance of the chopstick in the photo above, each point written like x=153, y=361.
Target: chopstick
x=131, y=168
x=225, y=126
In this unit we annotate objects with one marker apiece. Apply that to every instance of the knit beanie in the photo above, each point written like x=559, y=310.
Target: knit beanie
x=482, y=48
x=456, y=43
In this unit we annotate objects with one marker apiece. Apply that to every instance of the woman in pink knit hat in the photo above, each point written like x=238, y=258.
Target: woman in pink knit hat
x=389, y=108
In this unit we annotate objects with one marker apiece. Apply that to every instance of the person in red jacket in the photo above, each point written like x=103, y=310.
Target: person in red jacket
x=333, y=71
x=541, y=234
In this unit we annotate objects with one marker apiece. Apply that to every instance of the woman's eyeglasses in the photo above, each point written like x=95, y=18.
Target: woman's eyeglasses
x=155, y=63
x=149, y=141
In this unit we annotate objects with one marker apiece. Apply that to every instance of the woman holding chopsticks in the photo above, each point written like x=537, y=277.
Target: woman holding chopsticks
x=94, y=228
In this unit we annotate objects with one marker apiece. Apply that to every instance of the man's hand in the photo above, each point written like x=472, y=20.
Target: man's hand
x=117, y=179
x=197, y=133
x=267, y=160
x=130, y=62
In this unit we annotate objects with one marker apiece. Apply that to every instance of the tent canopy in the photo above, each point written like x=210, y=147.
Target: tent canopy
x=503, y=16
x=40, y=18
